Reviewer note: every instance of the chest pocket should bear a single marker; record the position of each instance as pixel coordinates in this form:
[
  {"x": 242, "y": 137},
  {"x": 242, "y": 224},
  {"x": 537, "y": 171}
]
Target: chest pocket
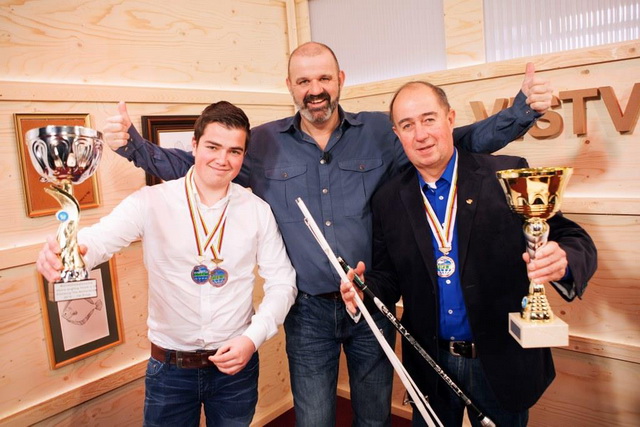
[
  {"x": 359, "y": 179},
  {"x": 283, "y": 185}
]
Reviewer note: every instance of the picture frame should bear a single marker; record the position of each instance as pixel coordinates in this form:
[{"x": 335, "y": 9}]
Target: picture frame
[
  {"x": 78, "y": 329},
  {"x": 168, "y": 132},
  {"x": 38, "y": 202}
]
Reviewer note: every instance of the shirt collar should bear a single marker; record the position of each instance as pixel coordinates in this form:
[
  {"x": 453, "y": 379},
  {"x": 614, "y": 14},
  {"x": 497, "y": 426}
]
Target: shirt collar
[
  {"x": 447, "y": 175},
  {"x": 292, "y": 123},
  {"x": 217, "y": 205}
]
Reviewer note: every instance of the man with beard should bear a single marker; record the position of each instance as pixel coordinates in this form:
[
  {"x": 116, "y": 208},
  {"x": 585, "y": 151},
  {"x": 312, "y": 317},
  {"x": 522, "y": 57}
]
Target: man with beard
[{"x": 334, "y": 160}]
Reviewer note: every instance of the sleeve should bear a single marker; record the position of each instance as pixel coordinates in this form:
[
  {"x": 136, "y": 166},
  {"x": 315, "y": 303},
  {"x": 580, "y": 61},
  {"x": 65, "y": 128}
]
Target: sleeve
[
  {"x": 382, "y": 276},
  {"x": 165, "y": 163},
  {"x": 581, "y": 255},
  {"x": 115, "y": 231},
  {"x": 279, "y": 283},
  {"x": 495, "y": 132}
]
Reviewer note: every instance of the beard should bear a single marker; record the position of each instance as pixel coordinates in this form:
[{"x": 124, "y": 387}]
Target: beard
[{"x": 318, "y": 115}]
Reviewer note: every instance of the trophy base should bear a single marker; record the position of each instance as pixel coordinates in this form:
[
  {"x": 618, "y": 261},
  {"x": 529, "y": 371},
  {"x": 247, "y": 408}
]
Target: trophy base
[
  {"x": 67, "y": 291},
  {"x": 537, "y": 335}
]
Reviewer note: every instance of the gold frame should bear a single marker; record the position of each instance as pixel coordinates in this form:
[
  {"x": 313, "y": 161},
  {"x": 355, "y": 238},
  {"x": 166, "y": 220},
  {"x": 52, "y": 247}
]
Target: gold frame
[
  {"x": 68, "y": 343},
  {"x": 39, "y": 203}
]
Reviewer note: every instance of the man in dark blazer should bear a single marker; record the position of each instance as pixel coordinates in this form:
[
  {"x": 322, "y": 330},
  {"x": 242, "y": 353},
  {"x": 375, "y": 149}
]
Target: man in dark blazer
[{"x": 458, "y": 287}]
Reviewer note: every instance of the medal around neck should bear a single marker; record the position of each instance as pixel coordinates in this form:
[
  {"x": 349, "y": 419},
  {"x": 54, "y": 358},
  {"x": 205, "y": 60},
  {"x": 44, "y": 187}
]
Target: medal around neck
[
  {"x": 218, "y": 277},
  {"x": 536, "y": 194},
  {"x": 66, "y": 156}
]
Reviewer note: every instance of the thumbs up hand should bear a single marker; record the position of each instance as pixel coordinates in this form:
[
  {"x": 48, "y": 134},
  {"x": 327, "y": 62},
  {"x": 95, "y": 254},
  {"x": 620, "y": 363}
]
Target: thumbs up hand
[
  {"x": 537, "y": 90},
  {"x": 115, "y": 131}
]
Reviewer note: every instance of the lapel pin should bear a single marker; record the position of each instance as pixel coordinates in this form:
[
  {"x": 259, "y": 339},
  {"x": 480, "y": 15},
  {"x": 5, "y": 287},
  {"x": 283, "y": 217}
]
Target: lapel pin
[{"x": 469, "y": 201}]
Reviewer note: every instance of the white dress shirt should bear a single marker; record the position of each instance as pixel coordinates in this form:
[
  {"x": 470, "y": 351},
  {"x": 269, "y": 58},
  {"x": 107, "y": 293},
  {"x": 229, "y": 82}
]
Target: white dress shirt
[{"x": 184, "y": 315}]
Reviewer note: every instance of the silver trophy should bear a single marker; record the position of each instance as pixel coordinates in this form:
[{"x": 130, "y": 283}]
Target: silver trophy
[{"x": 66, "y": 156}]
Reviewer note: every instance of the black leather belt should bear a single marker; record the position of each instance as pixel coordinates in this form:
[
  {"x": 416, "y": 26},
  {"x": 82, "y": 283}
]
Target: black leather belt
[
  {"x": 183, "y": 359},
  {"x": 459, "y": 348},
  {"x": 330, "y": 295}
]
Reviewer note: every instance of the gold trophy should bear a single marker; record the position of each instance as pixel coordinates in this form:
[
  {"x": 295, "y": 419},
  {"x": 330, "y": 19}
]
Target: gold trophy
[
  {"x": 66, "y": 156},
  {"x": 536, "y": 194}
]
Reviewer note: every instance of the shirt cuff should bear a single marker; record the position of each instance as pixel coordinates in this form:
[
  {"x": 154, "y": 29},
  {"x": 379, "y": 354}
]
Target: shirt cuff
[
  {"x": 355, "y": 317},
  {"x": 134, "y": 143},
  {"x": 256, "y": 333},
  {"x": 522, "y": 109}
]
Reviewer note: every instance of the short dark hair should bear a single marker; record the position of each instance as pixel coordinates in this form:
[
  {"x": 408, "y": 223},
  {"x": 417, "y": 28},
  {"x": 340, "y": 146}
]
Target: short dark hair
[
  {"x": 226, "y": 114},
  {"x": 437, "y": 90}
]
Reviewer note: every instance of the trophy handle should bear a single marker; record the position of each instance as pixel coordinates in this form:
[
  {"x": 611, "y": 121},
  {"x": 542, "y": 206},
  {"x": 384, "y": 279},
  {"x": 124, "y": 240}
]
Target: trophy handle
[{"x": 73, "y": 266}]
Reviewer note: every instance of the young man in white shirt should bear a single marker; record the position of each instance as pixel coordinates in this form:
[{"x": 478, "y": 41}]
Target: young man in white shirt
[{"x": 202, "y": 238}]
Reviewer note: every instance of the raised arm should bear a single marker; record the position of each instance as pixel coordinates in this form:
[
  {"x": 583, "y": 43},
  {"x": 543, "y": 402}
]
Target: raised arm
[
  {"x": 495, "y": 132},
  {"x": 165, "y": 163}
]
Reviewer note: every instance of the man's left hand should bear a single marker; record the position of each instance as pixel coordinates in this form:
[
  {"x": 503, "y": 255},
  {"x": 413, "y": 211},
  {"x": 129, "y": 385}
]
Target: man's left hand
[
  {"x": 234, "y": 355},
  {"x": 537, "y": 90},
  {"x": 550, "y": 263}
]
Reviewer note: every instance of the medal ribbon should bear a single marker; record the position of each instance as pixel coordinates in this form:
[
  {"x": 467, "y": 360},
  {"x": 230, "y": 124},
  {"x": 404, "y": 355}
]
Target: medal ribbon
[
  {"x": 444, "y": 234},
  {"x": 209, "y": 236}
]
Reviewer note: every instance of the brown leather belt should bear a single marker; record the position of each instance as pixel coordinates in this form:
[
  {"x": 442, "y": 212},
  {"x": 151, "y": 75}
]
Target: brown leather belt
[
  {"x": 183, "y": 359},
  {"x": 459, "y": 348}
]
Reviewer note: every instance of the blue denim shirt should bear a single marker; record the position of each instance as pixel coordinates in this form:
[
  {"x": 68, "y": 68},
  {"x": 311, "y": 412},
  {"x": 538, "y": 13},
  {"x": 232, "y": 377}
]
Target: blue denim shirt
[{"x": 283, "y": 163}]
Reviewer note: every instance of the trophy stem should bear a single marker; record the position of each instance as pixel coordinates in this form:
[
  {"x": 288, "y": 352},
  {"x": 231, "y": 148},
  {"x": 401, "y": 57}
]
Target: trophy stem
[
  {"x": 535, "y": 306},
  {"x": 73, "y": 266}
]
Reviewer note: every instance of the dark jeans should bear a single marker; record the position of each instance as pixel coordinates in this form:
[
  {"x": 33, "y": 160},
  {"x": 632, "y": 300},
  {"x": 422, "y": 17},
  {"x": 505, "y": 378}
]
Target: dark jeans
[
  {"x": 174, "y": 396},
  {"x": 316, "y": 329},
  {"x": 469, "y": 376}
]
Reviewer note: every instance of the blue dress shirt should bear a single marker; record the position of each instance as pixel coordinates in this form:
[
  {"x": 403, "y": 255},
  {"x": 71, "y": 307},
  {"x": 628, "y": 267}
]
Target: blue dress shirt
[{"x": 454, "y": 324}]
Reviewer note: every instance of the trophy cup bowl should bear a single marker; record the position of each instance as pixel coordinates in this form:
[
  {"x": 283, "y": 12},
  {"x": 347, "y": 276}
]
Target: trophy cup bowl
[
  {"x": 65, "y": 156},
  {"x": 536, "y": 195}
]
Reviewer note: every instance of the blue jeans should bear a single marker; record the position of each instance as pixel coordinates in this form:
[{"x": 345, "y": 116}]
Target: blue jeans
[
  {"x": 468, "y": 375},
  {"x": 315, "y": 329},
  {"x": 174, "y": 396}
]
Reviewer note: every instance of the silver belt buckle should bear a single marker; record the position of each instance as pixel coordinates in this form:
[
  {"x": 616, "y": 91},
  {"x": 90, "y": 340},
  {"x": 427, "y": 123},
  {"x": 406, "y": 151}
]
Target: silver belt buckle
[
  {"x": 455, "y": 353},
  {"x": 452, "y": 350},
  {"x": 179, "y": 359}
]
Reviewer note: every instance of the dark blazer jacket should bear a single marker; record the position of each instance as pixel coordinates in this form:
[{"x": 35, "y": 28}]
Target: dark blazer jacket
[{"x": 493, "y": 275}]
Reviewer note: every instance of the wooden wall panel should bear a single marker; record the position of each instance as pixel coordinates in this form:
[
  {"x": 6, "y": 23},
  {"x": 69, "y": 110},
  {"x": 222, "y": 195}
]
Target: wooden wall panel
[
  {"x": 609, "y": 311},
  {"x": 464, "y": 32},
  {"x": 227, "y": 44},
  {"x": 589, "y": 391}
]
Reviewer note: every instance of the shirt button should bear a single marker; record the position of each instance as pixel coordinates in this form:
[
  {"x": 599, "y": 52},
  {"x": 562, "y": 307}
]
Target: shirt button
[
  {"x": 323, "y": 161},
  {"x": 325, "y": 190},
  {"x": 452, "y": 338},
  {"x": 285, "y": 175},
  {"x": 441, "y": 198},
  {"x": 448, "y": 282},
  {"x": 450, "y": 311},
  {"x": 327, "y": 223}
]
